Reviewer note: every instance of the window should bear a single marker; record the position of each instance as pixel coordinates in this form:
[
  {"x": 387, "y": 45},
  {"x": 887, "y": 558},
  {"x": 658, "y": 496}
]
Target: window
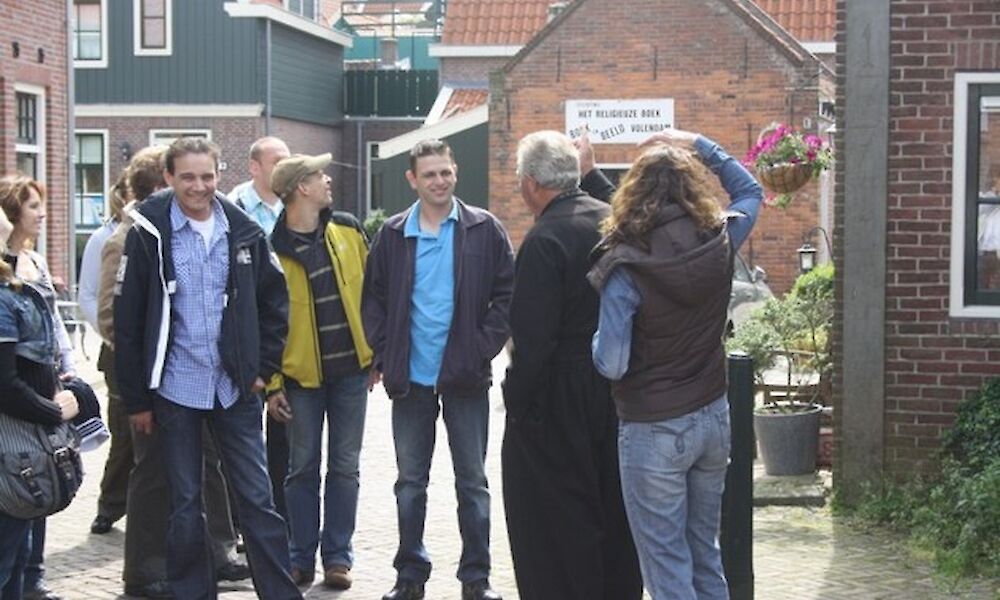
[
  {"x": 91, "y": 179},
  {"x": 975, "y": 251},
  {"x": 305, "y": 8},
  {"x": 152, "y": 21},
  {"x": 90, "y": 48},
  {"x": 165, "y": 137},
  {"x": 29, "y": 143}
]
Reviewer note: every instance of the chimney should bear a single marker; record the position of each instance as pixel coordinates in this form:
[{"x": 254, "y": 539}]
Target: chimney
[
  {"x": 555, "y": 9},
  {"x": 389, "y": 51}
]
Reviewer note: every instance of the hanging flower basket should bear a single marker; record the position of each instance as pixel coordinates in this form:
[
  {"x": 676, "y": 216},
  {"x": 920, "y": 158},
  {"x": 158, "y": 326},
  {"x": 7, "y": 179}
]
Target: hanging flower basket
[
  {"x": 785, "y": 160},
  {"x": 784, "y": 178}
]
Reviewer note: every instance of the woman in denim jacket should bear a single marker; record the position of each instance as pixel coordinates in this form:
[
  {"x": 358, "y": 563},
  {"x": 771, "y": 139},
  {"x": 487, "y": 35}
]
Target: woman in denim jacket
[{"x": 28, "y": 384}]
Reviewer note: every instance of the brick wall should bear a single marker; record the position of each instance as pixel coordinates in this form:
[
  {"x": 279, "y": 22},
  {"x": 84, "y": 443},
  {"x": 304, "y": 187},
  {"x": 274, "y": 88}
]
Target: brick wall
[
  {"x": 313, "y": 139},
  {"x": 932, "y": 361},
  {"x": 716, "y": 89},
  {"x": 469, "y": 72},
  {"x": 39, "y": 26},
  {"x": 233, "y": 135}
]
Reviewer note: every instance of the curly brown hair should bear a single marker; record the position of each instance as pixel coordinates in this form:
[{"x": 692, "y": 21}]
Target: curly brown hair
[{"x": 661, "y": 176}]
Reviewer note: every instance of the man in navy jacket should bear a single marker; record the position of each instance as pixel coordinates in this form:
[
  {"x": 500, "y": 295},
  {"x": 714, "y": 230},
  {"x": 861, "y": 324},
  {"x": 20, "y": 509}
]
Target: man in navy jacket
[
  {"x": 200, "y": 319},
  {"x": 437, "y": 289}
]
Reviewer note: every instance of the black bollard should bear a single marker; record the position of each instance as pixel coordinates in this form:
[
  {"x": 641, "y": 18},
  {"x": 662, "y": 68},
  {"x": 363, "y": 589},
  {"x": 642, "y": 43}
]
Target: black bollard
[{"x": 736, "y": 535}]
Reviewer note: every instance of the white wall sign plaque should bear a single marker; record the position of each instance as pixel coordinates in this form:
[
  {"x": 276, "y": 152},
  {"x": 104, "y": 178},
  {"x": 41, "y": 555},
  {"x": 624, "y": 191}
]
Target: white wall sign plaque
[{"x": 618, "y": 121}]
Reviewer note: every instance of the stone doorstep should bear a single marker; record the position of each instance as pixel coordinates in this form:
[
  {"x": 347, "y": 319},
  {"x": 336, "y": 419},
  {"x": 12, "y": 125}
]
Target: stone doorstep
[{"x": 792, "y": 490}]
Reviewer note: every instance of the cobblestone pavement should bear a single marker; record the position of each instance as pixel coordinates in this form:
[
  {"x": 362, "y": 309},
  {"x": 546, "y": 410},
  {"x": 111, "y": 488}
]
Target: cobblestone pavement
[{"x": 800, "y": 553}]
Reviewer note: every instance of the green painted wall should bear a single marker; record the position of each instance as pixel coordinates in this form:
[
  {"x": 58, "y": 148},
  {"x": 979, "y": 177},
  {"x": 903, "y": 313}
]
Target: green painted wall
[
  {"x": 308, "y": 76},
  {"x": 217, "y": 59},
  {"x": 392, "y": 193}
]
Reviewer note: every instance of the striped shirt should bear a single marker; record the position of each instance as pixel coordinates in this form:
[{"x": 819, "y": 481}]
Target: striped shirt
[{"x": 338, "y": 356}]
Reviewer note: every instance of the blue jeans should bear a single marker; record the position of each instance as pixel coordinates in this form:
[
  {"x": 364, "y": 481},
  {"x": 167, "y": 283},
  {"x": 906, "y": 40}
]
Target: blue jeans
[
  {"x": 673, "y": 474},
  {"x": 342, "y": 402},
  {"x": 15, "y": 544},
  {"x": 238, "y": 436},
  {"x": 466, "y": 419}
]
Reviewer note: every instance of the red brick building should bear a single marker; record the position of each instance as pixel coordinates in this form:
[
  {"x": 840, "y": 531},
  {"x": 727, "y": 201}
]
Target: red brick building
[
  {"x": 918, "y": 304},
  {"x": 34, "y": 137},
  {"x": 727, "y": 67}
]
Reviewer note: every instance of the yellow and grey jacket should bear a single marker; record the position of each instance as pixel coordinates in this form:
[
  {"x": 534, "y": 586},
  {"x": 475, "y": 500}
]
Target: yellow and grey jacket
[{"x": 348, "y": 247}]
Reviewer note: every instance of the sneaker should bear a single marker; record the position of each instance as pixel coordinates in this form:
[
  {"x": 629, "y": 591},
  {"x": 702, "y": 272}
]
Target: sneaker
[{"x": 338, "y": 577}]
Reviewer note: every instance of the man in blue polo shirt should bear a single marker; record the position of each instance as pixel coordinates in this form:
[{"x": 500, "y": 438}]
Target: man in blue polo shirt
[{"x": 437, "y": 290}]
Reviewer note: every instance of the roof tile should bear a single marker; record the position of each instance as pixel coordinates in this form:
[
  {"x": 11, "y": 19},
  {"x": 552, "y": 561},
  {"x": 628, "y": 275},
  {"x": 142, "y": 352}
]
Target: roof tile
[
  {"x": 806, "y": 20},
  {"x": 515, "y": 22},
  {"x": 494, "y": 22},
  {"x": 463, "y": 100}
]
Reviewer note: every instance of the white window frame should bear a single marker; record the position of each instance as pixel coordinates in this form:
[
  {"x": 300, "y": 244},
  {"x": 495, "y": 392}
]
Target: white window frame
[
  {"x": 103, "y": 62},
  {"x": 956, "y": 303},
  {"x": 106, "y": 134},
  {"x": 138, "y": 50},
  {"x": 38, "y": 148},
  {"x": 317, "y": 5},
  {"x": 176, "y": 133}
]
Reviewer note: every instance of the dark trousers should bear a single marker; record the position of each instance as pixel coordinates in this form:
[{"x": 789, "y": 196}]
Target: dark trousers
[
  {"x": 112, "y": 503},
  {"x": 238, "y": 435},
  {"x": 15, "y": 540},
  {"x": 569, "y": 536},
  {"x": 34, "y": 570},
  {"x": 277, "y": 463},
  {"x": 149, "y": 504}
]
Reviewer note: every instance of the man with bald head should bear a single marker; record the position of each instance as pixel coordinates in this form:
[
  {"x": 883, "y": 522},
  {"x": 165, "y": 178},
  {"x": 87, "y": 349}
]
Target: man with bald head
[{"x": 255, "y": 196}]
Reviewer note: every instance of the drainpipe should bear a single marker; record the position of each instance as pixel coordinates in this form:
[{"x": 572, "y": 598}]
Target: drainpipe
[
  {"x": 362, "y": 171},
  {"x": 70, "y": 145},
  {"x": 267, "y": 77}
]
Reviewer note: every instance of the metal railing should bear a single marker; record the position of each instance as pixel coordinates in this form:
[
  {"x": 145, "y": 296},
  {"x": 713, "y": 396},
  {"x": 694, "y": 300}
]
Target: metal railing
[{"x": 389, "y": 93}]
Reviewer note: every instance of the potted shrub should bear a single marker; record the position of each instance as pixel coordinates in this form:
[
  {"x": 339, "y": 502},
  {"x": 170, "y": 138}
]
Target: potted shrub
[
  {"x": 785, "y": 160},
  {"x": 790, "y": 333}
]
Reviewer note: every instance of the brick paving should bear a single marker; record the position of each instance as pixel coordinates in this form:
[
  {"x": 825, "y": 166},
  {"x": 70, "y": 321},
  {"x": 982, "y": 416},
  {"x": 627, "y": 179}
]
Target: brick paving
[{"x": 800, "y": 553}]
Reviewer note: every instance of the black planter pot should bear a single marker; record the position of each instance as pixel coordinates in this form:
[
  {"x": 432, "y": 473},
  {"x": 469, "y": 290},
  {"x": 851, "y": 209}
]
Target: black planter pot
[{"x": 788, "y": 440}]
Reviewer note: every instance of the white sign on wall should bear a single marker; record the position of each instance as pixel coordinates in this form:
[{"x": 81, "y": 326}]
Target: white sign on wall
[{"x": 619, "y": 121}]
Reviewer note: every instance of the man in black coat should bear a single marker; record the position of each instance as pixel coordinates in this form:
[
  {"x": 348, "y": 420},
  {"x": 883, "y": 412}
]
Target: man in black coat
[{"x": 568, "y": 533}]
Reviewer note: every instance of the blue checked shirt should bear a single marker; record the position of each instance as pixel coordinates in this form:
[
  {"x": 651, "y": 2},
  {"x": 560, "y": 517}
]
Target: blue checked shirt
[{"x": 193, "y": 375}]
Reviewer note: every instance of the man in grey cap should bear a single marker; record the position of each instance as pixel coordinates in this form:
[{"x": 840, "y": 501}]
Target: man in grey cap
[{"x": 325, "y": 367}]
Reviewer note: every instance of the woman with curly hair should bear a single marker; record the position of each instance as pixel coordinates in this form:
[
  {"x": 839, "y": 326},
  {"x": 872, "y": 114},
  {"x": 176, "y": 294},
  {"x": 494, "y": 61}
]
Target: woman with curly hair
[{"x": 665, "y": 277}]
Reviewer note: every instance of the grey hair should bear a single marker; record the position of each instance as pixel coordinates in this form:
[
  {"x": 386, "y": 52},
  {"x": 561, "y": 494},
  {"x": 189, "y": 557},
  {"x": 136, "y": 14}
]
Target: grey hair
[{"x": 550, "y": 158}]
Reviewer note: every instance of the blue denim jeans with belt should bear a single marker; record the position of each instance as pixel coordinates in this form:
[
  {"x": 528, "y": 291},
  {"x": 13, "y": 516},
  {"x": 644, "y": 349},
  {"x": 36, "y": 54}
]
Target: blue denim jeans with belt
[
  {"x": 414, "y": 420},
  {"x": 341, "y": 403},
  {"x": 673, "y": 474}
]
